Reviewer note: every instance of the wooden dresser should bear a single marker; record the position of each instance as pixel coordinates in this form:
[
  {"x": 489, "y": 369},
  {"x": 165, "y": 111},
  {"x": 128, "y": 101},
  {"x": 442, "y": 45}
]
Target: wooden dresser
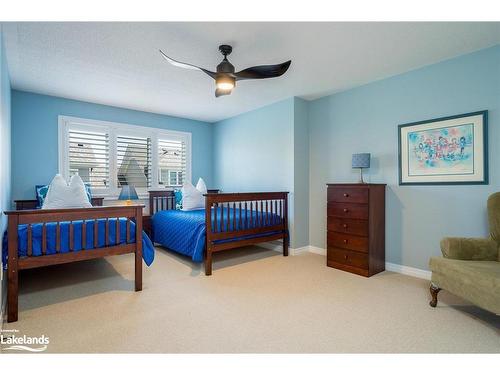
[{"x": 356, "y": 228}]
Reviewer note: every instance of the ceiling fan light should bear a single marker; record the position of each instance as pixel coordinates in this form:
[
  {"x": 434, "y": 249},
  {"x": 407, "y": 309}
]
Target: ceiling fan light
[
  {"x": 224, "y": 82},
  {"x": 225, "y": 86}
]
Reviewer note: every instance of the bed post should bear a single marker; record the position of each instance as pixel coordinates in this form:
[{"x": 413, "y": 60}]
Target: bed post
[
  {"x": 12, "y": 271},
  {"x": 138, "y": 249},
  {"x": 208, "y": 240},
  {"x": 285, "y": 226}
]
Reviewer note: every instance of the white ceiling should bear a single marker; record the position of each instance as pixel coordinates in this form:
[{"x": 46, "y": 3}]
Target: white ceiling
[{"x": 118, "y": 63}]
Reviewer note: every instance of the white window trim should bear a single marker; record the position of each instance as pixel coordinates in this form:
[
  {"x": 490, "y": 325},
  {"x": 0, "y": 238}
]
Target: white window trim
[
  {"x": 64, "y": 122},
  {"x": 169, "y": 171}
]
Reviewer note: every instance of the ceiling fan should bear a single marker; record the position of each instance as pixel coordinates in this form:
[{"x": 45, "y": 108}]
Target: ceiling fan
[{"x": 225, "y": 76}]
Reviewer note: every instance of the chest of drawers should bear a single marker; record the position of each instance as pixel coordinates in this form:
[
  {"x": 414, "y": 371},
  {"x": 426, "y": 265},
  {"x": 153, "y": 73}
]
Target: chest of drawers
[{"x": 356, "y": 228}]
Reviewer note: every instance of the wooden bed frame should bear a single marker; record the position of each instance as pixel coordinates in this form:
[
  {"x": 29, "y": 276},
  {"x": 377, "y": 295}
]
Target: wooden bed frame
[
  {"x": 268, "y": 205},
  {"x": 29, "y": 217}
]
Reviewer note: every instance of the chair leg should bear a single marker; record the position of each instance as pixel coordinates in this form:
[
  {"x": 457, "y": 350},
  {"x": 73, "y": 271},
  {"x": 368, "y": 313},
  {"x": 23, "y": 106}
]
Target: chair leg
[
  {"x": 434, "y": 289},
  {"x": 208, "y": 262}
]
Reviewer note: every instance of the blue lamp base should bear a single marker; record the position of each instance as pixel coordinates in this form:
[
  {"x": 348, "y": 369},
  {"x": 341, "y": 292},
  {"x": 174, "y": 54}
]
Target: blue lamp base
[{"x": 361, "y": 176}]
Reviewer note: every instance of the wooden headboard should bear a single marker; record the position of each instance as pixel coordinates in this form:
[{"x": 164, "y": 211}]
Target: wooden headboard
[{"x": 160, "y": 200}]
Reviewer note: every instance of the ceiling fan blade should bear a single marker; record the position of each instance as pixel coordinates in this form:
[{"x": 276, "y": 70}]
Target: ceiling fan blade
[
  {"x": 263, "y": 71},
  {"x": 219, "y": 92},
  {"x": 186, "y": 65}
]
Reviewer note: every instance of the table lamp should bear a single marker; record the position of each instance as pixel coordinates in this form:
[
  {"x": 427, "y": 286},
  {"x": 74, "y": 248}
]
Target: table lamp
[
  {"x": 128, "y": 194},
  {"x": 361, "y": 161}
]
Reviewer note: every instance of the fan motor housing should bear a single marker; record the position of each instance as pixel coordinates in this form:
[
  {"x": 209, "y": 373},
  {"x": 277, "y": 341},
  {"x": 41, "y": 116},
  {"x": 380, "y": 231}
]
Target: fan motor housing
[{"x": 225, "y": 67}]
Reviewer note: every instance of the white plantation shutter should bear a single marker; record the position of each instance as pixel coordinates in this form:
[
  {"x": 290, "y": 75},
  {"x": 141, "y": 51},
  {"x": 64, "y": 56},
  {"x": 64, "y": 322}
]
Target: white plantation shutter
[
  {"x": 109, "y": 155},
  {"x": 172, "y": 162},
  {"x": 133, "y": 161},
  {"x": 88, "y": 154}
]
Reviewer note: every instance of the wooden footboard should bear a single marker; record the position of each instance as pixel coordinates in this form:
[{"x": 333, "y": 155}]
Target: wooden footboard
[
  {"x": 57, "y": 216},
  {"x": 241, "y": 219}
]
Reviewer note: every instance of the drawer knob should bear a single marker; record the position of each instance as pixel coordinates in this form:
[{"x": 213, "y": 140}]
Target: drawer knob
[
  {"x": 345, "y": 257},
  {"x": 345, "y": 241},
  {"x": 346, "y": 210},
  {"x": 345, "y": 225},
  {"x": 346, "y": 195}
]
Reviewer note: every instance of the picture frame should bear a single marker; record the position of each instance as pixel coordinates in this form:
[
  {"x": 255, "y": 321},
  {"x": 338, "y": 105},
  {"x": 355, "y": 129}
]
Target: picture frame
[{"x": 449, "y": 150}]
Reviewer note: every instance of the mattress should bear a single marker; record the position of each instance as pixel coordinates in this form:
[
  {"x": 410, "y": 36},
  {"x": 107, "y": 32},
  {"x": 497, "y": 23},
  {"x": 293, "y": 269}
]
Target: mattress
[
  {"x": 185, "y": 231},
  {"x": 36, "y": 233}
]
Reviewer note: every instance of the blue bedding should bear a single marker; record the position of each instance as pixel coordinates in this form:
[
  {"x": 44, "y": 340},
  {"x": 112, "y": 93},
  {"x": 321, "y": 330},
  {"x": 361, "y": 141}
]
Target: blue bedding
[
  {"x": 185, "y": 231},
  {"x": 147, "y": 246}
]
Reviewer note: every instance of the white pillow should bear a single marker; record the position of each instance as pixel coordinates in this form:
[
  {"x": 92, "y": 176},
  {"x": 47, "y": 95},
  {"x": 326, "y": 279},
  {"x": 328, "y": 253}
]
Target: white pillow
[
  {"x": 201, "y": 186},
  {"x": 192, "y": 197},
  {"x": 62, "y": 195}
]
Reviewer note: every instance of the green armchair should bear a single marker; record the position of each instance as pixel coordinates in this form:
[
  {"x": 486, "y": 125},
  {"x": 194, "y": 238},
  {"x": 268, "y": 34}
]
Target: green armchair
[{"x": 470, "y": 267}]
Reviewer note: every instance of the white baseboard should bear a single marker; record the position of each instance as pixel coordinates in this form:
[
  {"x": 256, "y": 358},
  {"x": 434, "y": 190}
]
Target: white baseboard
[
  {"x": 299, "y": 250},
  {"x": 405, "y": 270},
  {"x": 393, "y": 267},
  {"x": 410, "y": 271},
  {"x": 273, "y": 245},
  {"x": 317, "y": 250},
  {"x": 278, "y": 246}
]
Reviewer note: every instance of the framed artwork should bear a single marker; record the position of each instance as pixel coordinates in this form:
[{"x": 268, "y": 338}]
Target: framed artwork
[{"x": 448, "y": 150}]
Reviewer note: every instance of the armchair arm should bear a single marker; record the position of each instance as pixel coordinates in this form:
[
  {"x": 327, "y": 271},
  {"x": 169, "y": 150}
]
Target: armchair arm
[{"x": 469, "y": 248}]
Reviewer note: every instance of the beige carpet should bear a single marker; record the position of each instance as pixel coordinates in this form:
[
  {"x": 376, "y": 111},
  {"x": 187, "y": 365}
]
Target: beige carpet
[{"x": 256, "y": 301}]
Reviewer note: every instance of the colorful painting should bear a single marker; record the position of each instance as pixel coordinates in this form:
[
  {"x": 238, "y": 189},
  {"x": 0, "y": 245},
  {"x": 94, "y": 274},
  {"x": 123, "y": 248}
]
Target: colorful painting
[
  {"x": 449, "y": 150},
  {"x": 442, "y": 151}
]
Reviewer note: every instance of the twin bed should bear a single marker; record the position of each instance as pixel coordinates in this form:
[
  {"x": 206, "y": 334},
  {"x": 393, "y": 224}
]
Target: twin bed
[
  {"x": 229, "y": 220},
  {"x": 37, "y": 238}
]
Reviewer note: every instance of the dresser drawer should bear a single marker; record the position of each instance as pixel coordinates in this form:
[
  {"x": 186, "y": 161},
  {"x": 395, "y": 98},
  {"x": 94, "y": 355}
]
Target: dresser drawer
[
  {"x": 352, "y": 226},
  {"x": 350, "y": 258},
  {"x": 348, "y": 210},
  {"x": 347, "y": 241},
  {"x": 348, "y": 194}
]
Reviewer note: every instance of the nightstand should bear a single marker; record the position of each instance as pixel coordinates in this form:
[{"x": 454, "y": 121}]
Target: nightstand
[
  {"x": 31, "y": 204},
  {"x": 146, "y": 225}
]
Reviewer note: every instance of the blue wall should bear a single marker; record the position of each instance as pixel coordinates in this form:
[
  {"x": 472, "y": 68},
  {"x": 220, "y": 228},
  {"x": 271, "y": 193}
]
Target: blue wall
[
  {"x": 5, "y": 133},
  {"x": 365, "y": 119},
  {"x": 35, "y": 127},
  {"x": 300, "y": 146},
  {"x": 268, "y": 150},
  {"x": 5, "y": 151},
  {"x": 254, "y": 152},
  {"x": 301, "y": 173}
]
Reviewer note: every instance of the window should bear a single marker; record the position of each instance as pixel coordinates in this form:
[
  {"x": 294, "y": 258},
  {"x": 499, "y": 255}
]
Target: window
[
  {"x": 134, "y": 161},
  {"x": 89, "y": 157},
  {"x": 109, "y": 155},
  {"x": 168, "y": 177},
  {"x": 171, "y": 162}
]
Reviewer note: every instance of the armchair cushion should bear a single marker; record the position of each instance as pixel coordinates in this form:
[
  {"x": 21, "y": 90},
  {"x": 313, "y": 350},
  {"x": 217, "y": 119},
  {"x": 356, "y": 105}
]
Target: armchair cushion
[
  {"x": 478, "y": 281},
  {"x": 469, "y": 248},
  {"x": 494, "y": 216}
]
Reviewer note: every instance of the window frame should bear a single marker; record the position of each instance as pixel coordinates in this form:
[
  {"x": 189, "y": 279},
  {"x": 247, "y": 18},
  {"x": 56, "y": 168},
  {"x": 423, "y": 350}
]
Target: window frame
[
  {"x": 169, "y": 171},
  {"x": 65, "y": 123}
]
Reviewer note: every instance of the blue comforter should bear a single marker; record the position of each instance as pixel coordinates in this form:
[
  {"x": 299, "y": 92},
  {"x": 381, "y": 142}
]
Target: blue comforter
[
  {"x": 185, "y": 231},
  {"x": 147, "y": 246}
]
